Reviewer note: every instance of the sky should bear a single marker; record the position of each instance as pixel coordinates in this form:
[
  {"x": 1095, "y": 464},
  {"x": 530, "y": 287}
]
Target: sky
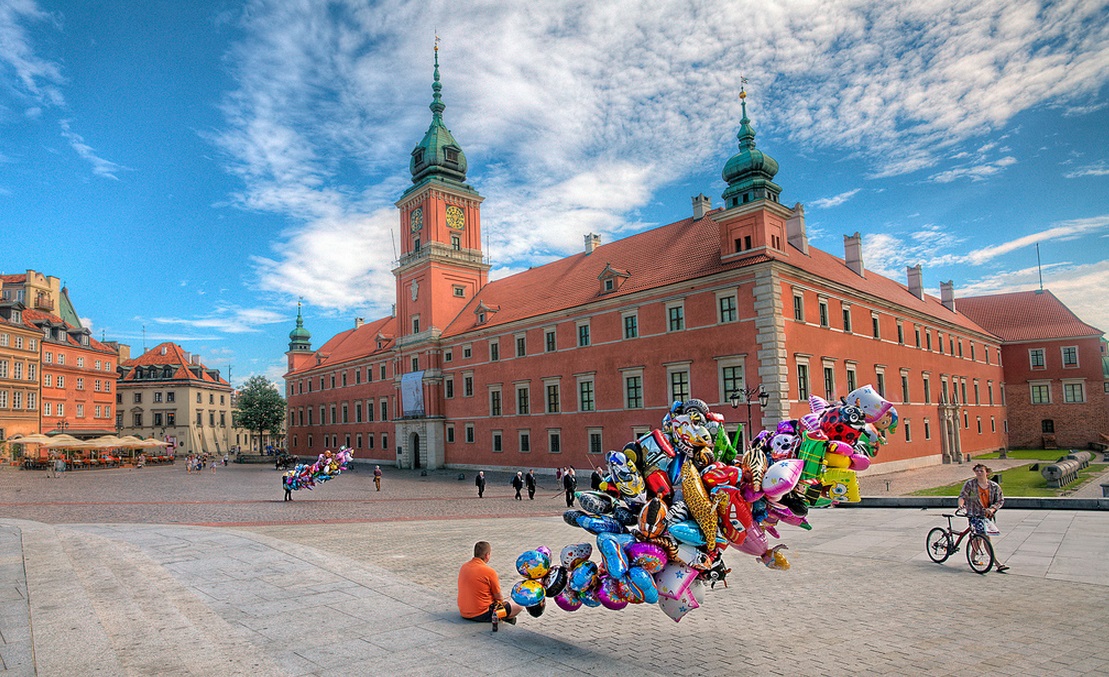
[{"x": 191, "y": 170}]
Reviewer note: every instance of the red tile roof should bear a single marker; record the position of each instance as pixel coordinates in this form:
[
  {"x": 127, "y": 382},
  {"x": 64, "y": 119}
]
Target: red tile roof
[
  {"x": 355, "y": 343},
  {"x": 31, "y": 316},
  {"x": 13, "y": 279},
  {"x": 678, "y": 252},
  {"x": 1025, "y": 316},
  {"x": 174, "y": 357}
]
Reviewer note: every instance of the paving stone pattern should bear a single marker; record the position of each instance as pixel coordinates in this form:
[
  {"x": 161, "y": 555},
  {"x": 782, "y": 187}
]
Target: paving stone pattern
[{"x": 159, "y": 572}]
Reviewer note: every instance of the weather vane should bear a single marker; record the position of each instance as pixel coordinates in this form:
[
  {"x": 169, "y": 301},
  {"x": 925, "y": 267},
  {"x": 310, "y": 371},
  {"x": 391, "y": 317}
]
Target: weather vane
[{"x": 742, "y": 87}]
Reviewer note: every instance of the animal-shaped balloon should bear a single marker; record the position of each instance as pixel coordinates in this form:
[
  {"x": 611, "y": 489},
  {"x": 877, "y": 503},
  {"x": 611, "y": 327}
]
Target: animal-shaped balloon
[{"x": 626, "y": 477}]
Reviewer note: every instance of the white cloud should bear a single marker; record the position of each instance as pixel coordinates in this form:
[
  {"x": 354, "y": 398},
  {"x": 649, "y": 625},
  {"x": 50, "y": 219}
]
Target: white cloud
[
  {"x": 1099, "y": 168},
  {"x": 1080, "y": 287},
  {"x": 835, "y": 200},
  {"x": 229, "y": 319},
  {"x": 1063, "y": 230},
  {"x": 569, "y": 108},
  {"x": 100, "y": 166},
  {"x": 36, "y": 79}
]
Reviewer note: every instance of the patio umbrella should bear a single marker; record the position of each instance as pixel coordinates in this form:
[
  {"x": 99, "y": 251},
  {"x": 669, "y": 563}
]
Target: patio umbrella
[
  {"x": 36, "y": 438},
  {"x": 63, "y": 441},
  {"x": 106, "y": 442}
]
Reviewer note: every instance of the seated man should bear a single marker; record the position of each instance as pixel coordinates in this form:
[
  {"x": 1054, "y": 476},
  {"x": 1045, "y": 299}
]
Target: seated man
[{"x": 479, "y": 589}]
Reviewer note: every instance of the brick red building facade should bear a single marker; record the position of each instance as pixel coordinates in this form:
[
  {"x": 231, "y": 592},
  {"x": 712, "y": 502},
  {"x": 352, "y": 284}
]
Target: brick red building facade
[
  {"x": 553, "y": 366},
  {"x": 1057, "y": 388}
]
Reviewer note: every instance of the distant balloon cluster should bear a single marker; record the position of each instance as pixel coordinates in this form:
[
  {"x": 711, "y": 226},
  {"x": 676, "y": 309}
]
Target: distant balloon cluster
[
  {"x": 328, "y": 465},
  {"x": 673, "y": 500}
]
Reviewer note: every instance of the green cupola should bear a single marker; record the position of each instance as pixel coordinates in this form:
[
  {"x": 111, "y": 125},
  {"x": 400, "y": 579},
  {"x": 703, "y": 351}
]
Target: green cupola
[
  {"x": 300, "y": 338},
  {"x": 750, "y": 172},
  {"x": 438, "y": 154}
]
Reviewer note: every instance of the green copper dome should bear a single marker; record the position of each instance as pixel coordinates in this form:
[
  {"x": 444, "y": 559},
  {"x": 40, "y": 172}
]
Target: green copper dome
[
  {"x": 750, "y": 172},
  {"x": 438, "y": 154},
  {"x": 300, "y": 338}
]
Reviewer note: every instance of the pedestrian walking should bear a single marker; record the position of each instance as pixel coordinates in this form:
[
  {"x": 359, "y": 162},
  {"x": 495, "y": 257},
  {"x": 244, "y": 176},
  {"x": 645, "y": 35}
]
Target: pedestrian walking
[
  {"x": 558, "y": 474},
  {"x": 479, "y": 482},
  {"x": 377, "y": 477},
  {"x": 596, "y": 478},
  {"x": 530, "y": 482},
  {"x": 569, "y": 484},
  {"x": 288, "y": 486},
  {"x": 518, "y": 484}
]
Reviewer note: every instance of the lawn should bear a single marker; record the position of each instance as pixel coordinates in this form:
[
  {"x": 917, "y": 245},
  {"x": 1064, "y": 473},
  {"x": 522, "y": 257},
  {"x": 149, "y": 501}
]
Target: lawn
[
  {"x": 1050, "y": 455},
  {"x": 1022, "y": 481}
]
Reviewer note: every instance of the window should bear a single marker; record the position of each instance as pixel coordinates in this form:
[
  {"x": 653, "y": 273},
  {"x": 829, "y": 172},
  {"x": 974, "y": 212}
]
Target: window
[
  {"x": 916, "y": 336},
  {"x": 467, "y": 385},
  {"x": 977, "y": 396},
  {"x": 523, "y": 405},
  {"x": 17, "y": 402},
  {"x": 46, "y": 408},
  {"x": 596, "y": 442},
  {"x": 450, "y": 433},
  {"x": 908, "y": 431},
  {"x": 585, "y": 395},
  {"x": 448, "y": 387},
  {"x": 370, "y": 441},
  {"x": 467, "y": 352},
  {"x": 829, "y": 382},
  {"x": 138, "y": 396},
  {"x": 927, "y": 389},
  {"x": 495, "y": 401},
  {"x": 525, "y": 442},
  {"x": 962, "y": 390},
  {"x": 1070, "y": 357},
  {"x": 169, "y": 396},
  {"x": 675, "y": 317},
  {"x": 80, "y": 360},
  {"x": 448, "y": 356},
  {"x": 554, "y": 441},
  {"x": 989, "y": 391},
  {"x": 381, "y": 372},
  {"x": 456, "y": 242},
  {"x": 802, "y": 382},
  {"x": 731, "y": 379},
  {"x": 31, "y": 372},
  {"x": 157, "y": 397},
  {"x": 960, "y": 347},
  {"x": 346, "y": 410},
  {"x": 5, "y": 339},
  {"x": 47, "y": 379},
  {"x": 852, "y": 379},
  {"x": 679, "y": 385},
  {"x": 1047, "y": 426},
  {"x": 798, "y": 307},
  {"x": 583, "y": 335},
  {"x": 521, "y": 345},
  {"x": 939, "y": 342},
  {"x": 1074, "y": 393},
  {"x": 553, "y": 406},
  {"x": 549, "y": 340},
  {"x": 157, "y": 417},
  {"x": 633, "y": 392},
  {"x": 469, "y": 432},
  {"x": 727, "y": 307},
  {"x": 497, "y": 445},
  {"x": 823, "y": 305},
  {"x": 369, "y": 414},
  {"x": 384, "y": 440},
  {"x": 631, "y": 326},
  {"x": 927, "y": 340},
  {"x": 137, "y": 419},
  {"x": 198, "y": 394},
  {"x": 979, "y": 420},
  {"x": 17, "y": 373},
  {"x": 905, "y": 388},
  {"x": 358, "y": 410},
  {"x": 928, "y": 429},
  {"x": 494, "y": 350},
  {"x": 901, "y": 337},
  {"x": 1041, "y": 393},
  {"x": 3, "y": 369},
  {"x": 384, "y": 417},
  {"x": 876, "y": 329},
  {"x": 61, "y": 381},
  {"x": 847, "y": 319}
]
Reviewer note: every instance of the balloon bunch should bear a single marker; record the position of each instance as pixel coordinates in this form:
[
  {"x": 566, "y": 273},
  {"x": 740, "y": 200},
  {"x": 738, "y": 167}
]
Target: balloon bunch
[
  {"x": 328, "y": 465},
  {"x": 673, "y": 500}
]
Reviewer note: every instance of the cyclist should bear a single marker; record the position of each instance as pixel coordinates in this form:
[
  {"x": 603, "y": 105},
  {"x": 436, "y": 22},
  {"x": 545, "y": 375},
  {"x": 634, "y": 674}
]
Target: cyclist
[{"x": 981, "y": 497}]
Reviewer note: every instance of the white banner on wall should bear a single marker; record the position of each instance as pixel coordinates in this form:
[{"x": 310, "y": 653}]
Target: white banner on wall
[{"x": 412, "y": 393}]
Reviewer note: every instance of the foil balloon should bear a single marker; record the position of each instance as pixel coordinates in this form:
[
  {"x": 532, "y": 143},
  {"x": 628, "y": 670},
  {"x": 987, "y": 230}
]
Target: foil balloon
[
  {"x": 647, "y": 556},
  {"x": 567, "y": 600},
  {"x": 616, "y": 562},
  {"x": 599, "y": 524},
  {"x": 595, "y": 502},
  {"x": 589, "y": 598},
  {"x": 534, "y": 563},
  {"x": 555, "y": 581},
  {"x": 734, "y": 513},
  {"x": 697, "y": 499},
  {"x": 573, "y": 555},
  {"x": 610, "y": 595},
  {"x": 626, "y": 477},
  {"x": 642, "y": 585},
  {"x": 719, "y": 474},
  {"x": 583, "y": 577},
  {"x": 652, "y": 518},
  {"x": 536, "y": 610},
  {"x": 687, "y": 532},
  {"x": 527, "y": 592},
  {"x": 781, "y": 477}
]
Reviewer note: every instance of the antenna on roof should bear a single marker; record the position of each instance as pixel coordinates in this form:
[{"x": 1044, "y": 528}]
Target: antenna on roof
[
  {"x": 1039, "y": 269},
  {"x": 144, "y": 338},
  {"x": 393, "y": 240}
]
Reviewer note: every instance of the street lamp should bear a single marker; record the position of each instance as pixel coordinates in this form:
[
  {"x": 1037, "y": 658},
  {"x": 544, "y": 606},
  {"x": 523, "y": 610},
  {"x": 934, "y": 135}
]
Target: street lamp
[{"x": 749, "y": 396}]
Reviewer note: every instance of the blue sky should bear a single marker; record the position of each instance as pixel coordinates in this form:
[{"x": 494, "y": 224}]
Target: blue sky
[{"x": 193, "y": 168}]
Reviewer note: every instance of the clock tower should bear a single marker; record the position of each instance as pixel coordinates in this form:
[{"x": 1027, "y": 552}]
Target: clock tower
[{"x": 441, "y": 268}]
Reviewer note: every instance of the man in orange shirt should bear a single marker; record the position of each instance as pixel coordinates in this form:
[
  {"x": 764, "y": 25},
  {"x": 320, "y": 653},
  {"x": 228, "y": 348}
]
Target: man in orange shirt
[{"x": 479, "y": 589}]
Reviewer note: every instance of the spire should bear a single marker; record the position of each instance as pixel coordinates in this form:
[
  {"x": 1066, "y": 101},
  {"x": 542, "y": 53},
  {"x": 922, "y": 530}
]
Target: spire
[
  {"x": 438, "y": 155},
  {"x": 750, "y": 172},
  {"x": 300, "y": 338}
]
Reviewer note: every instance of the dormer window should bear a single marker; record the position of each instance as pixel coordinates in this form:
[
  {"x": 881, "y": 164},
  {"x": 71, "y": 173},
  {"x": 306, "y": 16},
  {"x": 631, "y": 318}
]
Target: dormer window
[
  {"x": 481, "y": 318},
  {"x": 418, "y": 156},
  {"x": 610, "y": 284},
  {"x": 612, "y": 278},
  {"x": 451, "y": 155}
]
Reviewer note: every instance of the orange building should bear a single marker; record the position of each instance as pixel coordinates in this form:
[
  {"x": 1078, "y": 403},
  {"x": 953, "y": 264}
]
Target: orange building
[
  {"x": 20, "y": 368},
  {"x": 553, "y": 366},
  {"x": 1056, "y": 369}
]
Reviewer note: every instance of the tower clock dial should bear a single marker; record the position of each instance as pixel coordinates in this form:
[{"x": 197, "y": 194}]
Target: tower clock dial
[
  {"x": 456, "y": 218},
  {"x": 416, "y": 219}
]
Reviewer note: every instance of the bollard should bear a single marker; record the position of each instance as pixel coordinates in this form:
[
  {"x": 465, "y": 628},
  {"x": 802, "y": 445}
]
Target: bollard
[
  {"x": 887, "y": 485},
  {"x": 1105, "y": 490}
]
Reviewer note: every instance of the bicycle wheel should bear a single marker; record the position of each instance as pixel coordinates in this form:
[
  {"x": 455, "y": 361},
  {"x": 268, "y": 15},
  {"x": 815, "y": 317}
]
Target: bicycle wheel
[
  {"x": 979, "y": 553},
  {"x": 938, "y": 545}
]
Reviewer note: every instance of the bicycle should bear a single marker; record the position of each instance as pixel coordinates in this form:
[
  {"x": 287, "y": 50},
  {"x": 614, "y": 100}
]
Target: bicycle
[{"x": 943, "y": 543}]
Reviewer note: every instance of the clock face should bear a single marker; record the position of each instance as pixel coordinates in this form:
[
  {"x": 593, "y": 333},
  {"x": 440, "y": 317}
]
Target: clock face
[
  {"x": 456, "y": 218},
  {"x": 416, "y": 220}
]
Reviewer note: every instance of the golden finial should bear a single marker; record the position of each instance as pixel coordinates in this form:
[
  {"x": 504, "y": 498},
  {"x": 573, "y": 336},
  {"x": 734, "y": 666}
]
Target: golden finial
[{"x": 742, "y": 88}]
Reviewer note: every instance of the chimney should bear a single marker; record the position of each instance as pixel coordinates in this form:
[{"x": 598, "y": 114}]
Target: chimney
[
  {"x": 947, "y": 294},
  {"x": 188, "y": 357},
  {"x": 795, "y": 230},
  {"x": 195, "y": 360},
  {"x": 358, "y": 322},
  {"x": 916, "y": 281},
  {"x": 853, "y": 253},
  {"x": 592, "y": 241},
  {"x": 701, "y": 206}
]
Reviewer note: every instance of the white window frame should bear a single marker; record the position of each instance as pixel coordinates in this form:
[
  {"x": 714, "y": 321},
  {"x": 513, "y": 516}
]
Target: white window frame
[{"x": 1072, "y": 382}]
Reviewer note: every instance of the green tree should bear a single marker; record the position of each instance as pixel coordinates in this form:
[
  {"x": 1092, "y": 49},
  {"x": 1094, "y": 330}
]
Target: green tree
[{"x": 260, "y": 407}]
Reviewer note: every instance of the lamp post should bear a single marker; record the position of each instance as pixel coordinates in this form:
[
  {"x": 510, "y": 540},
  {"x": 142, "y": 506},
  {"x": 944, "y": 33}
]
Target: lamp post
[{"x": 749, "y": 396}]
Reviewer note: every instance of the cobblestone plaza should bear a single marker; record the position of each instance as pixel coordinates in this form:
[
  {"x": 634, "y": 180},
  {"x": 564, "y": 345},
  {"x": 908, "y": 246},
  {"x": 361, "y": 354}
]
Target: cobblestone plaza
[{"x": 157, "y": 571}]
